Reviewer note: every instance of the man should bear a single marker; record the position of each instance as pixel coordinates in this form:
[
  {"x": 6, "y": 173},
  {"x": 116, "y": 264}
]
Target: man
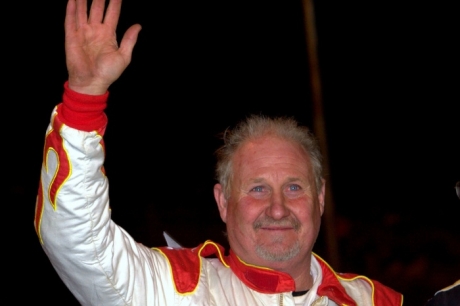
[
  {"x": 270, "y": 195},
  {"x": 449, "y": 296}
]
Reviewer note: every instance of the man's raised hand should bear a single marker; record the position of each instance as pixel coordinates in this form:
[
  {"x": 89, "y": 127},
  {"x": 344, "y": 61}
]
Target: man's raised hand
[{"x": 94, "y": 59}]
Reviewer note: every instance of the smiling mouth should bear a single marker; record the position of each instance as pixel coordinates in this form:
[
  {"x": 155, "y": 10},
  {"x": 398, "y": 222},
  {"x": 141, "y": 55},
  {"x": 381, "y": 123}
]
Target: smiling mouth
[
  {"x": 270, "y": 224},
  {"x": 277, "y": 228}
]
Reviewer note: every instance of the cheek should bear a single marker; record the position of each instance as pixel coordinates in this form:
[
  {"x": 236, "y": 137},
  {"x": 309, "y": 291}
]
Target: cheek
[
  {"x": 306, "y": 210},
  {"x": 244, "y": 212}
]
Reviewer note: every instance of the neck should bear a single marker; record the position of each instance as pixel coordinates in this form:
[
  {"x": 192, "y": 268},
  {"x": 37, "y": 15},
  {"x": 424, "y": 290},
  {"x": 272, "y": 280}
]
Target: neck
[
  {"x": 303, "y": 282},
  {"x": 299, "y": 271}
]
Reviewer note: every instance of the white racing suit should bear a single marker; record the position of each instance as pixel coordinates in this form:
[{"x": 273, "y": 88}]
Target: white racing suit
[{"x": 101, "y": 264}]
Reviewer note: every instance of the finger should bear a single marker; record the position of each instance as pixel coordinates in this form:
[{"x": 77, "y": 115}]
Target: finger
[
  {"x": 81, "y": 12},
  {"x": 96, "y": 12},
  {"x": 128, "y": 41},
  {"x": 113, "y": 13},
  {"x": 69, "y": 23}
]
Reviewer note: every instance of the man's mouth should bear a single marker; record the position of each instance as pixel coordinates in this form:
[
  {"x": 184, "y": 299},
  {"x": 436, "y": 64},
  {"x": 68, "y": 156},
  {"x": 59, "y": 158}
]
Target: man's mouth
[
  {"x": 277, "y": 225},
  {"x": 277, "y": 228}
]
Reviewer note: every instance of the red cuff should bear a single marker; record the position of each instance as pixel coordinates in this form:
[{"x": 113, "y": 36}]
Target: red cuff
[{"x": 83, "y": 112}]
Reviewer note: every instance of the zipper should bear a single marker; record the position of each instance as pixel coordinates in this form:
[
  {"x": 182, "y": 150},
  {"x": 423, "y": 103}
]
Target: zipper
[{"x": 281, "y": 299}]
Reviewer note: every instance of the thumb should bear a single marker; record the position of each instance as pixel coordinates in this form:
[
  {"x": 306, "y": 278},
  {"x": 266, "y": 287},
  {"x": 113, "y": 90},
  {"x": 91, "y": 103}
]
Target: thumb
[{"x": 129, "y": 41}]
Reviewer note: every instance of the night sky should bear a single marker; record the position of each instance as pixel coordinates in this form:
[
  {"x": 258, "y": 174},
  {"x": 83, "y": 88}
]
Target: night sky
[{"x": 389, "y": 77}]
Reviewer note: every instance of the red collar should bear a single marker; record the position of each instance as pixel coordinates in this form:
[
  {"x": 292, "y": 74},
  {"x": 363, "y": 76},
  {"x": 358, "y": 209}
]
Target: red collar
[
  {"x": 331, "y": 287},
  {"x": 260, "y": 279},
  {"x": 266, "y": 280}
]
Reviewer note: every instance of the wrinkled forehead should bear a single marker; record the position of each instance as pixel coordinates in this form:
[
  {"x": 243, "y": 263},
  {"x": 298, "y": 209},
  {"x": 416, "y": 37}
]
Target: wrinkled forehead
[
  {"x": 272, "y": 144},
  {"x": 271, "y": 151}
]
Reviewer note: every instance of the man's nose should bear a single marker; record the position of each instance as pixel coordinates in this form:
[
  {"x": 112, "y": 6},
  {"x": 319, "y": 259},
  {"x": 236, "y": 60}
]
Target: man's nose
[{"x": 278, "y": 206}]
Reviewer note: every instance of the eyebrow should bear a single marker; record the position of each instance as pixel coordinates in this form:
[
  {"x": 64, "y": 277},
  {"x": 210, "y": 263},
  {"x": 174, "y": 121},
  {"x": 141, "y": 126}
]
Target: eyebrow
[
  {"x": 296, "y": 179},
  {"x": 257, "y": 180},
  {"x": 289, "y": 180}
]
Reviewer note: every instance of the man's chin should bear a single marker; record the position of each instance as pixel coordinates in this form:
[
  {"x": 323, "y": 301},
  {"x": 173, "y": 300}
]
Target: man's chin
[{"x": 278, "y": 252}]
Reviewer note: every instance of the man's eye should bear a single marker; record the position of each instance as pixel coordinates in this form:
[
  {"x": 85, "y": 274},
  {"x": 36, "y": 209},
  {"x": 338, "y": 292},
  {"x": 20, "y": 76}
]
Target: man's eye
[
  {"x": 294, "y": 187},
  {"x": 258, "y": 189}
]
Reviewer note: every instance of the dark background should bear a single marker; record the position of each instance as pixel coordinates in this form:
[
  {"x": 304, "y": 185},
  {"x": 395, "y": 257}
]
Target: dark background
[{"x": 389, "y": 76}]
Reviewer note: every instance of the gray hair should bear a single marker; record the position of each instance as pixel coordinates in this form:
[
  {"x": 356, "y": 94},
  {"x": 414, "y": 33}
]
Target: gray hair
[{"x": 257, "y": 126}]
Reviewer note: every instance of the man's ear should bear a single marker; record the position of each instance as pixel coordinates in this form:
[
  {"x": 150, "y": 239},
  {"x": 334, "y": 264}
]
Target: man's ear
[
  {"x": 322, "y": 197},
  {"x": 221, "y": 201}
]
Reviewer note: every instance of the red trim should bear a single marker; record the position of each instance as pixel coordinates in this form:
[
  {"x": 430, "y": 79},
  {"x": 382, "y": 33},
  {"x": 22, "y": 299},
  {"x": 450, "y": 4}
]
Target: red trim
[
  {"x": 39, "y": 206},
  {"x": 54, "y": 142},
  {"x": 186, "y": 265},
  {"x": 331, "y": 287},
  {"x": 384, "y": 296},
  {"x": 260, "y": 279},
  {"x": 185, "y": 268},
  {"x": 83, "y": 112}
]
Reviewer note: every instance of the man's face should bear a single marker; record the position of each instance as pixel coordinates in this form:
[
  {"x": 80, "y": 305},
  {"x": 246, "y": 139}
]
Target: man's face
[{"x": 273, "y": 212}]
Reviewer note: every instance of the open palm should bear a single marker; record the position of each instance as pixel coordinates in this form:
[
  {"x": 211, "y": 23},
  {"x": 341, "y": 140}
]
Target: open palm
[{"x": 94, "y": 59}]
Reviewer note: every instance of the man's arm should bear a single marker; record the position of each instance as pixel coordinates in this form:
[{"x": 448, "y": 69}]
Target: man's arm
[{"x": 99, "y": 262}]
